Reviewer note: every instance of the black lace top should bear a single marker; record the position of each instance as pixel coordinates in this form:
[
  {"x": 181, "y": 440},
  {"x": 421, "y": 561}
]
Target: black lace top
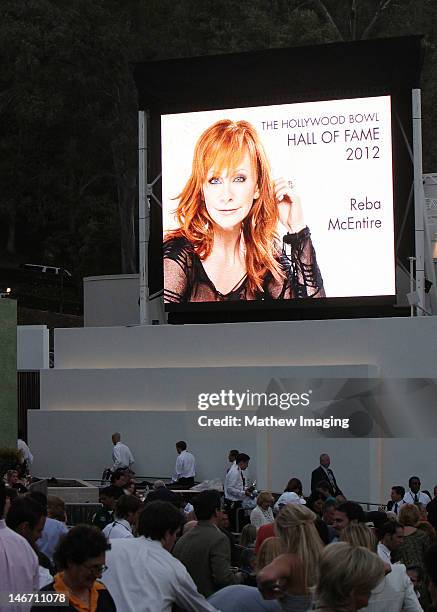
[{"x": 185, "y": 279}]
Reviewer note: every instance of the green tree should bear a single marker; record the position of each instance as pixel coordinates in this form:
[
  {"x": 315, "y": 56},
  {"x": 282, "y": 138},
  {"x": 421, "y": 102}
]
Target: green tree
[{"x": 68, "y": 104}]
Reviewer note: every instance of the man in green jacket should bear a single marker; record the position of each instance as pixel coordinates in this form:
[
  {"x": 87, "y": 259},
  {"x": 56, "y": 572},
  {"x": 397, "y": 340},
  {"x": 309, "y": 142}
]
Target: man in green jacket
[
  {"x": 205, "y": 550},
  {"x": 105, "y": 515}
]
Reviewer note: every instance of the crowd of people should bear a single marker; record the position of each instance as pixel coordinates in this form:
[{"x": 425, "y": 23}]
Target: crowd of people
[{"x": 295, "y": 553}]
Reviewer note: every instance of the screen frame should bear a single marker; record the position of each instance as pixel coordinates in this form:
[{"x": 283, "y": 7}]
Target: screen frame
[{"x": 322, "y": 62}]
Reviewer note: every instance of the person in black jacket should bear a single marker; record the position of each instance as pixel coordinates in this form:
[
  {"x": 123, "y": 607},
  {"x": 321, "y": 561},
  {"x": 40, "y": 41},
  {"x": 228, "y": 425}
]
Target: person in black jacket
[
  {"x": 431, "y": 568},
  {"x": 397, "y": 499},
  {"x": 432, "y": 510},
  {"x": 80, "y": 556},
  {"x": 324, "y": 473}
]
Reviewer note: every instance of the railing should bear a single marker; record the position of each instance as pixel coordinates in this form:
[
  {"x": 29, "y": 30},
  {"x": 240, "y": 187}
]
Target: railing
[
  {"x": 136, "y": 477},
  {"x": 150, "y": 479},
  {"x": 368, "y": 506},
  {"x": 81, "y": 513}
]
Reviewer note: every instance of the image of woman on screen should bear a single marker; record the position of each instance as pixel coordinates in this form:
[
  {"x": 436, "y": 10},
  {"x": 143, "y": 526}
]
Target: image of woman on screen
[{"x": 241, "y": 235}]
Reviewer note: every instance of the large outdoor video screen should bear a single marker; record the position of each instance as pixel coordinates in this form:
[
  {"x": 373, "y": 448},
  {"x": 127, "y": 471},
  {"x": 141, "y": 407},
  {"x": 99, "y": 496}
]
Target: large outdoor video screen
[{"x": 280, "y": 202}]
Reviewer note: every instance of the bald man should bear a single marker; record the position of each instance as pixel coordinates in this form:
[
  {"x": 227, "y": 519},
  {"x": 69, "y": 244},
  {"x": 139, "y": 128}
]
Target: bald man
[
  {"x": 121, "y": 454},
  {"x": 324, "y": 473}
]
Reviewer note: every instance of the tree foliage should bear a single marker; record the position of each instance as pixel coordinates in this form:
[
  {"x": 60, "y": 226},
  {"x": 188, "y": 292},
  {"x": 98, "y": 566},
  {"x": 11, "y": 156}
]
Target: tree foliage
[
  {"x": 68, "y": 108},
  {"x": 63, "y": 65}
]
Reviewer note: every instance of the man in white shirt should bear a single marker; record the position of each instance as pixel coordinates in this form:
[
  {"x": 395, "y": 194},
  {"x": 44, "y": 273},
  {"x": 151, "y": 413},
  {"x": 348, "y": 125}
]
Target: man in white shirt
[
  {"x": 143, "y": 576},
  {"x": 391, "y": 536},
  {"x": 25, "y": 451},
  {"x": 232, "y": 458},
  {"x": 52, "y": 531},
  {"x": 394, "y": 593},
  {"x": 185, "y": 468},
  {"x": 19, "y": 563},
  {"x": 27, "y": 518},
  {"x": 121, "y": 455},
  {"x": 126, "y": 514},
  {"x": 235, "y": 488},
  {"x": 415, "y": 495},
  {"x": 51, "y": 534}
]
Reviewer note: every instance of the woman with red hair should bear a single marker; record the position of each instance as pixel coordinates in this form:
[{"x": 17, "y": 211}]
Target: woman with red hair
[{"x": 227, "y": 246}]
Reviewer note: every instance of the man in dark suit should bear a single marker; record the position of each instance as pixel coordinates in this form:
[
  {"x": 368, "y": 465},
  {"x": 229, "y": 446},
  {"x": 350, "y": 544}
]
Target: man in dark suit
[
  {"x": 432, "y": 510},
  {"x": 324, "y": 473},
  {"x": 431, "y": 568},
  {"x": 396, "y": 501}
]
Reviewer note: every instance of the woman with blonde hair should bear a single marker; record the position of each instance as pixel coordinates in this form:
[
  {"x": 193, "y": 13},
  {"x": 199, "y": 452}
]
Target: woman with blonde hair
[
  {"x": 424, "y": 524},
  {"x": 415, "y": 542},
  {"x": 248, "y": 536},
  {"x": 295, "y": 526},
  {"x": 414, "y": 545},
  {"x": 269, "y": 550},
  {"x": 230, "y": 211},
  {"x": 13, "y": 482},
  {"x": 359, "y": 534},
  {"x": 347, "y": 575},
  {"x": 262, "y": 514},
  {"x": 291, "y": 575}
]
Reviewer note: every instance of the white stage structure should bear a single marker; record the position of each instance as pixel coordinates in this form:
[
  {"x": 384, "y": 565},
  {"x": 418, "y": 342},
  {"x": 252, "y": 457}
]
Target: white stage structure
[{"x": 138, "y": 380}]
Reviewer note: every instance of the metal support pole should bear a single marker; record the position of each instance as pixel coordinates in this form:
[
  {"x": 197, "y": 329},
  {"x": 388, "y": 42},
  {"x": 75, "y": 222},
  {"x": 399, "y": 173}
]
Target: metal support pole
[
  {"x": 143, "y": 218},
  {"x": 419, "y": 197},
  {"x": 429, "y": 261},
  {"x": 430, "y": 271},
  {"x": 412, "y": 260}
]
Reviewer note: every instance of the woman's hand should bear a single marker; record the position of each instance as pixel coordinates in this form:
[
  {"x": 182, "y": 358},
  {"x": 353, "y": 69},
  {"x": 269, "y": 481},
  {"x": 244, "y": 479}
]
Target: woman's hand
[{"x": 289, "y": 207}]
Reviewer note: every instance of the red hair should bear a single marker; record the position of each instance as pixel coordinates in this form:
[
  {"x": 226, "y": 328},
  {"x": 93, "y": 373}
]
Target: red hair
[{"x": 221, "y": 146}]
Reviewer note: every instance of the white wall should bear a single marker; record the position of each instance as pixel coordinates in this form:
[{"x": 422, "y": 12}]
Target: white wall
[
  {"x": 80, "y": 443},
  {"x": 113, "y": 300},
  {"x": 138, "y": 380},
  {"x": 72, "y": 443},
  {"x": 170, "y": 388},
  {"x": 398, "y": 346},
  {"x": 32, "y": 347}
]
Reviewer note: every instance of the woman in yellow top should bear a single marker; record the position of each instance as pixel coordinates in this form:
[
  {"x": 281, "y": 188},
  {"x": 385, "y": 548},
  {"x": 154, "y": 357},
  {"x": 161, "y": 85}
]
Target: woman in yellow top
[{"x": 80, "y": 556}]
